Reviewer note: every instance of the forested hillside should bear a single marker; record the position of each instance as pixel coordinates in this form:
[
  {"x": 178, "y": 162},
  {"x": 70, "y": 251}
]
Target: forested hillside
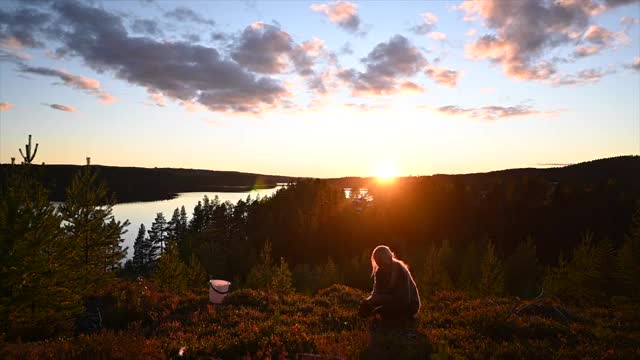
[
  {"x": 145, "y": 184},
  {"x": 476, "y": 245}
]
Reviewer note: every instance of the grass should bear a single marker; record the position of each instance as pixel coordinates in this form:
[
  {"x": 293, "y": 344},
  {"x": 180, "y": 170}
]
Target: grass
[{"x": 141, "y": 322}]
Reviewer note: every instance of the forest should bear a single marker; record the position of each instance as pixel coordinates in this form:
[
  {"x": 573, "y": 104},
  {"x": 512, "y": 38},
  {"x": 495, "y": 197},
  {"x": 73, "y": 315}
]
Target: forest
[
  {"x": 518, "y": 263},
  {"x": 146, "y": 184}
]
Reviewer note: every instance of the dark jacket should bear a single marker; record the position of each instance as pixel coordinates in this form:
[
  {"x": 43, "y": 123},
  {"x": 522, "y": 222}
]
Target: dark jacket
[{"x": 395, "y": 288}]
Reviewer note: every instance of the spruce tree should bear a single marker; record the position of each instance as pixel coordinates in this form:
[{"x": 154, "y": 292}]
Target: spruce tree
[
  {"x": 139, "y": 258},
  {"x": 183, "y": 223},
  {"x": 158, "y": 235},
  {"x": 92, "y": 231},
  {"x": 173, "y": 225}
]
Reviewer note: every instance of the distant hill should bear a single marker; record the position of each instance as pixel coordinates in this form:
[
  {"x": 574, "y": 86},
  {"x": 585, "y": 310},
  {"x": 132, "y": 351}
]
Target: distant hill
[
  {"x": 625, "y": 169},
  {"x": 146, "y": 184}
]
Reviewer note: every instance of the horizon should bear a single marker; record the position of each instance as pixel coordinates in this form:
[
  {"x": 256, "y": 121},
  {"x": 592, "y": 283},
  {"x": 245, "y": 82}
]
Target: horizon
[
  {"x": 321, "y": 89},
  {"x": 538, "y": 166}
]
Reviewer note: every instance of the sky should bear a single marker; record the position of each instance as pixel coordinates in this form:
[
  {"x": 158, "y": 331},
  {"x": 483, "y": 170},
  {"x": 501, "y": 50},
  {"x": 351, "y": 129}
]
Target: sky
[{"x": 321, "y": 89}]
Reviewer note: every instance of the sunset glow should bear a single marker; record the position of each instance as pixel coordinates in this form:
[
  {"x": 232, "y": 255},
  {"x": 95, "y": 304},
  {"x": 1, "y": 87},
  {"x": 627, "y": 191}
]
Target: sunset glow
[
  {"x": 385, "y": 171},
  {"x": 319, "y": 88}
]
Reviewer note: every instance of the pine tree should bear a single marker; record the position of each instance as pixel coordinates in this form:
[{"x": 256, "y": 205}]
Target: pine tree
[
  {"x": 492, "y": 273},
  {"x": 158, "y": 235},
  {"x": 36, "y": 292},
  {"x": 139, "y": 259},
  {"x": 92, "y": 231},
  {"x": 173, "y": 226}
]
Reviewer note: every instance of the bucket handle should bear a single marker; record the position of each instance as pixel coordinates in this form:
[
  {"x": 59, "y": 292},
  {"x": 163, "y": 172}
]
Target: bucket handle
[{"x": 218, "y": 291}]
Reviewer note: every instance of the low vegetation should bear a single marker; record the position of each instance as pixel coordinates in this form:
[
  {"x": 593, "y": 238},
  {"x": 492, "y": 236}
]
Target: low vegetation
[{"x": 139, "y": 321}]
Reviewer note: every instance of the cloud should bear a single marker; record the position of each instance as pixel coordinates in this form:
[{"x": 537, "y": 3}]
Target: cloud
[
  {"x": 527, "y": 30},
  {"x": 598, "y": 35},
  {"x": 346, "y": 49},
  {"x": 580, "y": 78},
  {"x": 436, "y": 35},
  {"x": 629, "y": 21},
  {"x": 61, "y": 107},
  {"x": 192, "y": 38},
  {"x": 613, "y": 3},
  {"x": 599, "y": 38},
  {"x": 266, "y": 49},
  {"x": 386, "y": 66},
  {"x": 442, "y": 76},
  {"x": 305, "y": 55},
  {"x": 177, "y": 70},
  {"x": 409, "y": 87},
  {"x": 4, "y": 106},
  {"x": 263, "y": 48},
  {"x": 492, "y": 113},
  {"x": 157, "y": 99},
  {"x": 183, "y": 14},
  {"x": 147, "y": 27},
  {"x": 11, "y": 49},
  {"x": 429, "y": 21},
  {"x": 635, "y": 65},
  {"x": 342, "y": 13},
  {"x": 471, "y": 32},
  {"x": 90, "y": 85},
  {"x": 22, "y": 25},
  {"x": 588, "y": 50}
]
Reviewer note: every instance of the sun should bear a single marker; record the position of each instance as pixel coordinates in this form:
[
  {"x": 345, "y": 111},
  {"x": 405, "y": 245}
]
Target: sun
[{"x": 385, "y": 171}]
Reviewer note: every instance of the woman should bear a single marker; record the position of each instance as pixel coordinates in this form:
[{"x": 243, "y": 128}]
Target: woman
[{"x": 395, "y": 295}]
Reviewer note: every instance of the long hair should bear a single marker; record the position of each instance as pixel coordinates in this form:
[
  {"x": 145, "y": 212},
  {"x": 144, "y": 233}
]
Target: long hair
[{"x": 383, "y": 250}]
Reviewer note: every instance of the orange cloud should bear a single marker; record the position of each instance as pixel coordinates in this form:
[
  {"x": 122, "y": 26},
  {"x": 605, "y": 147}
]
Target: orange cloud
[
  {"x": 341, "y": 13},
  {"x": 493, "y": 112},
  {"x": 442, "y": 75},
  {"x": 5, "y": 106}
]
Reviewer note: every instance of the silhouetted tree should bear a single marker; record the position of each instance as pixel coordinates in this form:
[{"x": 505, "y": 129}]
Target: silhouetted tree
[
  {"x": 139, "y": 261},
  {"x": 158, "y": 235},
  {"x": 29, "y": 157}
]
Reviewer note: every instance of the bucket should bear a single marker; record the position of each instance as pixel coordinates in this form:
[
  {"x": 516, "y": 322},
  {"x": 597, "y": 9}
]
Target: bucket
[{"x": 217, "y": 290}]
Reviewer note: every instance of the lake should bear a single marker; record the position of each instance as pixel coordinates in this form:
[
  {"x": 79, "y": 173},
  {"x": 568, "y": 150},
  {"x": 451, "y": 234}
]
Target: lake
[{"x": 145, "y": 212}]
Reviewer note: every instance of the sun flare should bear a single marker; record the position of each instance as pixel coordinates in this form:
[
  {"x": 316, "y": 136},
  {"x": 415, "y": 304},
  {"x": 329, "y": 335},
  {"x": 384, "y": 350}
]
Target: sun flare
[{"x": 385, "y": 171}]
